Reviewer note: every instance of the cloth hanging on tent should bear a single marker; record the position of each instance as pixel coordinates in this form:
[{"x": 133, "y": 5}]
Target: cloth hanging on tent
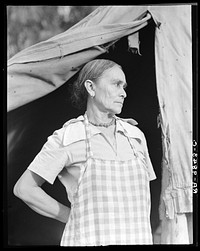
[
  {"x": 174, "y": 85},
  {"x": 173, "y": 55}
]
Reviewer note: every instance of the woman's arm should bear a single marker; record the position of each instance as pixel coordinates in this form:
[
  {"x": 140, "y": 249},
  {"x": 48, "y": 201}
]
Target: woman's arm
[{"x": 28, "y": 188}]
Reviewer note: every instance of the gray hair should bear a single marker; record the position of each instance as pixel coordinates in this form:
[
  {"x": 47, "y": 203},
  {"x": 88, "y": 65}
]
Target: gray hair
[{"x": 91, "y": 71}]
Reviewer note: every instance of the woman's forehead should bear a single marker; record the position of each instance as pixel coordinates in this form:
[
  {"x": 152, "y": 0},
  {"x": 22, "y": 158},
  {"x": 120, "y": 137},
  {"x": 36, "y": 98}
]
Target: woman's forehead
[{"x": 115, "y": 73}]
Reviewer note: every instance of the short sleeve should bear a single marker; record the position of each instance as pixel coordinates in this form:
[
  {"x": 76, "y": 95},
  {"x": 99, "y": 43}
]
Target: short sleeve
[{"x": 51, "y": 159}]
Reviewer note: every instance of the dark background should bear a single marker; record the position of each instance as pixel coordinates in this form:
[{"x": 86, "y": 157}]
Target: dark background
[{"x": 30, "y": 125}]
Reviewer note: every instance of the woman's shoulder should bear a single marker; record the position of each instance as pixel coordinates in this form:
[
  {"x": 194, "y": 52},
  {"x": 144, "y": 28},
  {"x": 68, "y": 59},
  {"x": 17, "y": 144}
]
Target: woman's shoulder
[
  {"x": 130, "y": 125},
  {"x": 74, "y": 122},
  {"x": 73, "y": 131}
]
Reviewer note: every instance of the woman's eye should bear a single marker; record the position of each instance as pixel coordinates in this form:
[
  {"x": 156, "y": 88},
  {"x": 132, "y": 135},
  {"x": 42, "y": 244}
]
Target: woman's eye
[
  {"x": 120, "y": 84},
  {"x": 117, "y": 84}
]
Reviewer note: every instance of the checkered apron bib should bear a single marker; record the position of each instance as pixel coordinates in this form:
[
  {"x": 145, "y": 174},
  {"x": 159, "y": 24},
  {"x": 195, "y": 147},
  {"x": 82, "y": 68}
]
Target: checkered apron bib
[{"x": 111, "y": 205}]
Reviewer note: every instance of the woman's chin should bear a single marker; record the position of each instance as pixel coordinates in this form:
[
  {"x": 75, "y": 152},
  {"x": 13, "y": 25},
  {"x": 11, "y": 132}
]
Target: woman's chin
[{"x": 117, "y": 111}]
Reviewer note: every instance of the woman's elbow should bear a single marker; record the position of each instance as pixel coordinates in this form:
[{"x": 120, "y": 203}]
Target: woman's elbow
[
  {"x": 21, "y": 190},
  {"x": 26, "y": 185}
]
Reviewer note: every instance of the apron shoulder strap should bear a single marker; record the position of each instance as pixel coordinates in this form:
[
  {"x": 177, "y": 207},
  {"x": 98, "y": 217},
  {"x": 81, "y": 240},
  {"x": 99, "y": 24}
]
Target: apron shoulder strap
[
  {"x": 89, "y": 152},
  {"x": 129, "y": 139}
]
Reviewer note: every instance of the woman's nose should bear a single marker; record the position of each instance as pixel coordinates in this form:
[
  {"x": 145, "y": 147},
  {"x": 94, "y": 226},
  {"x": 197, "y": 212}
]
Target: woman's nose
[{"x": 123, "y": 93}]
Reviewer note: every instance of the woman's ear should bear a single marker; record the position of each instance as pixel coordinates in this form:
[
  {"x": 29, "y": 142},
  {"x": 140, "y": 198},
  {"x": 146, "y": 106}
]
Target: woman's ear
[{"x": 89, "y": 85}]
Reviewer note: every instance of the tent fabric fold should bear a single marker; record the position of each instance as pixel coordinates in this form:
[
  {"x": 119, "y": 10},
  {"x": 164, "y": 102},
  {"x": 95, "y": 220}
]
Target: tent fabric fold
[
  {"x": 77, "y": 40},
  {"x": 49, "y": 62}
]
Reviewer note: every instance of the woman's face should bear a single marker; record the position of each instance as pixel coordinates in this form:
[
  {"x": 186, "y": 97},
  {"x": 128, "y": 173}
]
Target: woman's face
[{"x": 109, "y": 91}]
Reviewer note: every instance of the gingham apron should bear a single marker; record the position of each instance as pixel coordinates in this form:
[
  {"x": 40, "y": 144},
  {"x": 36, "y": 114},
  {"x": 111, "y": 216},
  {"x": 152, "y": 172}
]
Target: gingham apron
[{"x": 111, "y": 205}]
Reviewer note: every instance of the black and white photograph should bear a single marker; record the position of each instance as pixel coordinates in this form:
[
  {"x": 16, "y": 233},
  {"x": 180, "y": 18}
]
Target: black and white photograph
[{"x": 101, "y": 111}]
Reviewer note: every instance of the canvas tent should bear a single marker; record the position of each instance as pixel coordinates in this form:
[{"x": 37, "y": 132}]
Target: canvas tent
[{"x": 47, "y": 67}]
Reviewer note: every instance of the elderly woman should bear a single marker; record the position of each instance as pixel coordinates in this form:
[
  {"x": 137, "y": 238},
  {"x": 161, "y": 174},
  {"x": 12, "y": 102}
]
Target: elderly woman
[{"x": 103, "y": 162}]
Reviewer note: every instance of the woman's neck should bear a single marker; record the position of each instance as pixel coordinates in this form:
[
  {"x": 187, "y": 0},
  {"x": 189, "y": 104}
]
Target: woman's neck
[{"x": 96, "y": 116}]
